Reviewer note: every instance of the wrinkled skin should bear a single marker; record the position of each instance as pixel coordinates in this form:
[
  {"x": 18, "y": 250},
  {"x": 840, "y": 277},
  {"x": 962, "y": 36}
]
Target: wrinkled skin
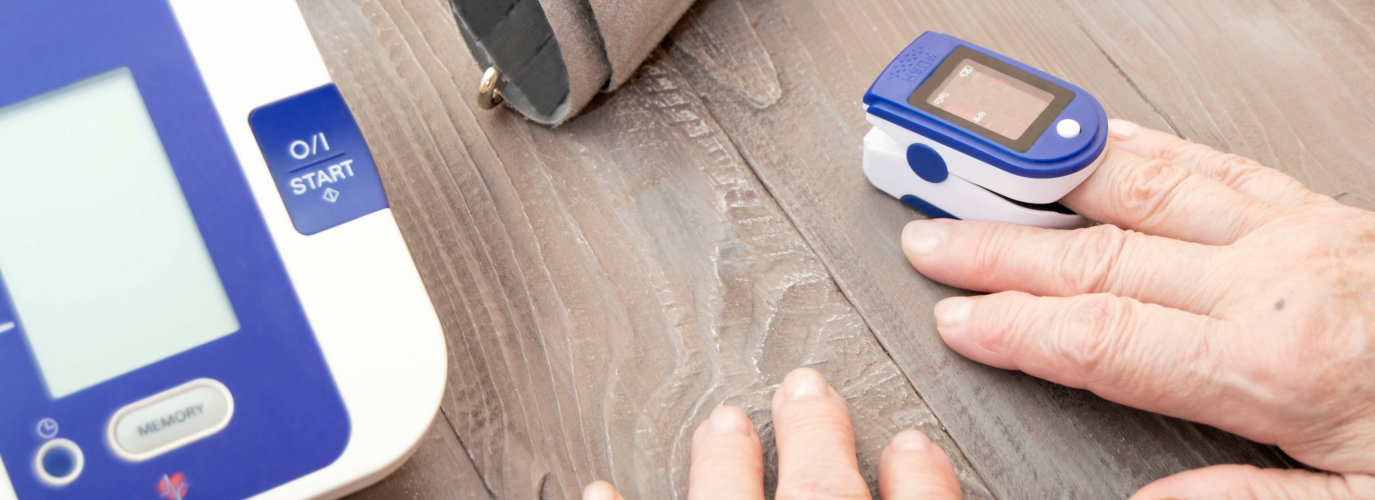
[{"x": 1216, "y": 290}]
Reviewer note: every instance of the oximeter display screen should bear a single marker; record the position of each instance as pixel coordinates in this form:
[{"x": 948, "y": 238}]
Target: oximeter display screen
[
  {"x": 990, "y": 99},
  {"x": 100, "y": 254}
]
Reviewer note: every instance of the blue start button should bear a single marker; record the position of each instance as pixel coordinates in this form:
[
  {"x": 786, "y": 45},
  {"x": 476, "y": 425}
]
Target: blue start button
[{"x": 318, "y": 158}]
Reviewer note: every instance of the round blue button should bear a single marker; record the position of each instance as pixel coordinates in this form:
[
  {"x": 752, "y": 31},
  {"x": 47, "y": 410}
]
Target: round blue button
[
  {"x": 927, "y": 163},
  {"x": 59, "y": 462}
]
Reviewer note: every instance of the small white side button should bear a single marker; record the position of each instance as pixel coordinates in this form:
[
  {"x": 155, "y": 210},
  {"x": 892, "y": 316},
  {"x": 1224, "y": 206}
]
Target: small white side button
[{"x": 1067, "y": 128}]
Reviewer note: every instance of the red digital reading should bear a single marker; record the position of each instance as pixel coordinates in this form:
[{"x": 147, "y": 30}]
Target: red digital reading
[{"x": 990, "y": 99}]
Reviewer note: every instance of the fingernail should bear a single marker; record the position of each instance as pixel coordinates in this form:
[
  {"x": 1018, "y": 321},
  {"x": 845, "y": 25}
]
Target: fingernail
[
  {"x": 600, "y": 490},
  {"x": 911, "y": 440},
  {"x": 951, "y": 313},
  {"x": 923, "y": 237},
  {"x": 729, "y": 420},
  {"x": 803, "y": 383},
  {"x": 1122, "y": 129}
]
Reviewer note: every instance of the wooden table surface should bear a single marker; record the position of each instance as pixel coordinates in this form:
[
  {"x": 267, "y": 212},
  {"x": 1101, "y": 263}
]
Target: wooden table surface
[{"x": 693, "y": 237}]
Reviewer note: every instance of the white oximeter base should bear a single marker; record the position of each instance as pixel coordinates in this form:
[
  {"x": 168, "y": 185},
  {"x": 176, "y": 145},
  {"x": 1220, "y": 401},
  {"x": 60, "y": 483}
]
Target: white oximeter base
[{"x": 886, "y": 166}]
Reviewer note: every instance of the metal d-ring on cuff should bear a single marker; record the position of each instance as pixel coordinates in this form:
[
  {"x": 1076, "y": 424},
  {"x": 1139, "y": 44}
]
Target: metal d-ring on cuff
[{"x": 489, "y": 90}]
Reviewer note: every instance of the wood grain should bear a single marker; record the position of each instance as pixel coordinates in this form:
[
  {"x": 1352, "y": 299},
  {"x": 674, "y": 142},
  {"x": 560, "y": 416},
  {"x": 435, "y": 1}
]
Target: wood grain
[
  {"x": 1286, "y": 83},
  {"x": 696, "y": 235},
  {"x": 606, "y": 285}
]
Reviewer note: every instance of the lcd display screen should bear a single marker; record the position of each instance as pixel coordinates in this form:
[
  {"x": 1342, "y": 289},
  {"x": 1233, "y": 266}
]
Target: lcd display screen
[
  {"x": 99, "y": 250},
  {"x": 991, "y": 99}
]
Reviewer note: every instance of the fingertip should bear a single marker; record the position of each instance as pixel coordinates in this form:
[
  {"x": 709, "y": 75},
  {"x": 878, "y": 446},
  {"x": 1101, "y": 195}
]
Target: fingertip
[
  {"x": 729, "y": 420},
  {"x": 912, "y": 466},
  {"x": 973, "y": 255},
  {"x": 728, "y": 430},
  {"x": 955, "y": 325},
  {"x": 600, "y": 490},
  {"x": 1122, "y": 129},
  {"x": 802, "y": 384},
  {"x": 814, "y": 437},
  {"x": 952, "y": 315},
  {"x": 921, "y": 239},
  {"x": 977, "y": 327},
  {"x": 911, "y": 440},
  {"x": 727, "y": 457}
]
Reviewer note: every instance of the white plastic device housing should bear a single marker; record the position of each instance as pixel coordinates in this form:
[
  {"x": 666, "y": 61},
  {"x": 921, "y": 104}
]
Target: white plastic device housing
[
  {"x": 968, "y": 192},
  {"x": 375, "y": 324}
]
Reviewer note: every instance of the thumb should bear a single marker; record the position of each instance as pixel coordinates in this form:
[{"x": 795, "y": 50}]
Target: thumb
[{"x": 1245, "y": 481}]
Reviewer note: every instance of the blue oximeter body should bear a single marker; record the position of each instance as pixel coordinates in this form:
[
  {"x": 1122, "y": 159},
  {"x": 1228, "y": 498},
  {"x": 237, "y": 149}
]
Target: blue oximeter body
[{"x": 963, "y": 132}]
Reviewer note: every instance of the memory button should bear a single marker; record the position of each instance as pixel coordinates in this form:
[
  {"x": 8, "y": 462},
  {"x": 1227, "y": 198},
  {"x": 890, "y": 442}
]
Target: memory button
[{"x": 171, "y": 419}]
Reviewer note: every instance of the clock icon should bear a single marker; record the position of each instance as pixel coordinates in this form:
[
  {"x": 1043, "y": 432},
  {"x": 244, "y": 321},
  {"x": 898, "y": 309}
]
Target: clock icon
[{"x": 47, "y": 428}]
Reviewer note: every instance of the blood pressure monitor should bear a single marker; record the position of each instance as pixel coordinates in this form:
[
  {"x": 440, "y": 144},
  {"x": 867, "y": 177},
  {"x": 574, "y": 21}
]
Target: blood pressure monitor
[
  {"x": 203, "y": 293},
  {"x": 962, "y": 132}
]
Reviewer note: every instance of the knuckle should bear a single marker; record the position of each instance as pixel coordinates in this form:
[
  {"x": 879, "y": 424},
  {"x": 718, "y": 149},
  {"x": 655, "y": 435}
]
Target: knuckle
[
  {"x": 1087, "y": 262},
  {"x": 1091, "y": 333},
  {"x": 1182, "y": 150},
  {"x": 1232, "y": 170},
  {"x": 812, "y": 422},
  {"x": 1146, "y": 190},
  {"x": 1201, "y": 356},
  {"x": 988, "y": 255},
  {"x": 1015, "y": 326}
]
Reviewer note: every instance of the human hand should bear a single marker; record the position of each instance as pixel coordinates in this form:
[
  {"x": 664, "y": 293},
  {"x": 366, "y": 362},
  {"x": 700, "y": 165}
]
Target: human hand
[
  {"x": 816, "y": 454},
  {"x": 1218, "y": 290}
]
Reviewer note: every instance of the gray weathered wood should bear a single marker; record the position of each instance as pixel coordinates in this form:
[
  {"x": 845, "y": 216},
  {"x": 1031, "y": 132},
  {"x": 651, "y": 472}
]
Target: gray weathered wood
[
  {"x": 606, "y": 285},
  {"x": 1287, "y": 83}
]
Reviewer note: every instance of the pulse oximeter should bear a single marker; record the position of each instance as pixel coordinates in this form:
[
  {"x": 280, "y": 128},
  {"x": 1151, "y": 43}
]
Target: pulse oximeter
[{"x": 963, "y": 132}]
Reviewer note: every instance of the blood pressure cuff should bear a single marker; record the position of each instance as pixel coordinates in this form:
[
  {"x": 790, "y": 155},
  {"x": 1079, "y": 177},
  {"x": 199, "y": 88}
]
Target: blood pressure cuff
[{"x": 555, "y": 55}]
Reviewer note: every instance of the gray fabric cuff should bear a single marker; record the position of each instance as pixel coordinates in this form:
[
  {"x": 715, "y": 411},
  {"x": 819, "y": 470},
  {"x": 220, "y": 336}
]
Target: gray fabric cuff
[{"x": 555, "y": 55}]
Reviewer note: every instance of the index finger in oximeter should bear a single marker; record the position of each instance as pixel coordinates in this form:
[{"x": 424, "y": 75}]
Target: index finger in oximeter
[{"x": 962, "y": 132}]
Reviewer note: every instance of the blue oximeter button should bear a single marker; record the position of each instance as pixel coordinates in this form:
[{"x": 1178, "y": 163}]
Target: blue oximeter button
[
  {"x": 318, "y": 158},
  {"x": 927, "y": 163}
]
